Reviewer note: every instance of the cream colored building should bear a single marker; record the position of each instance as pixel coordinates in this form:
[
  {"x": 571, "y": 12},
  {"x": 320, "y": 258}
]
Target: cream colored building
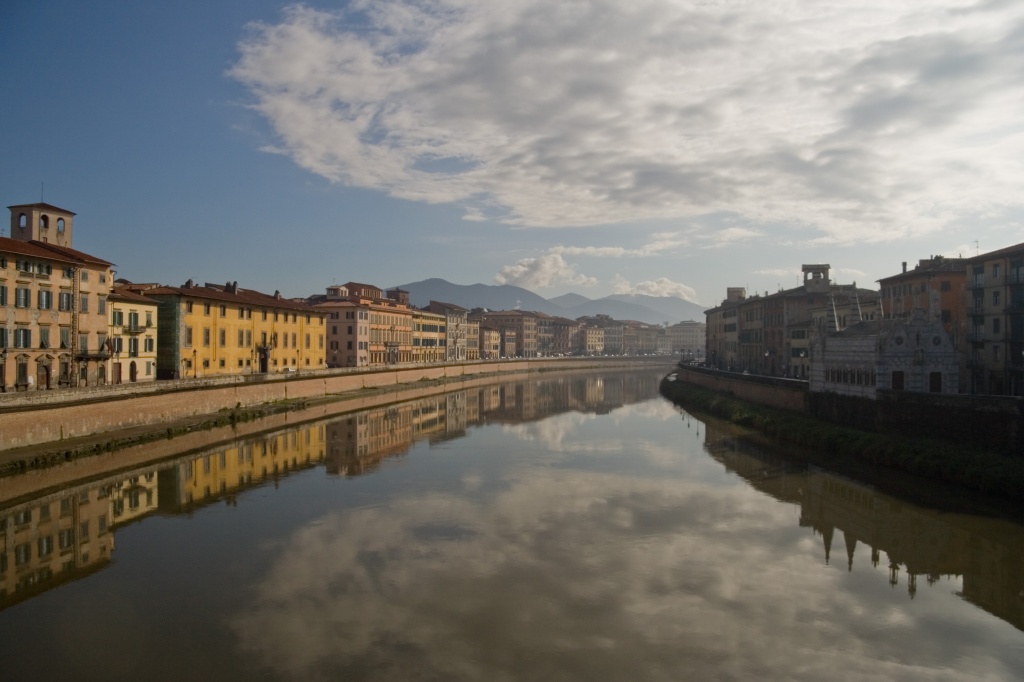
[
  {"x": 132, "y": 336},
  {"x": 53, "y": 304}
]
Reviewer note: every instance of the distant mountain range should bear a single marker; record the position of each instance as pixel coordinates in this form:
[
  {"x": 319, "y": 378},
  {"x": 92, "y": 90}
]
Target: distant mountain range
[{"x": 648, "y": 309}]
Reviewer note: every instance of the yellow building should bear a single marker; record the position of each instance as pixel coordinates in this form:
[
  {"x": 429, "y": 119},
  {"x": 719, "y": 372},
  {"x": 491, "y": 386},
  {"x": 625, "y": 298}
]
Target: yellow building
[
  {"x": 215, "y": 330},
  {"x": 428, "y": 336},
  {"x": 53, "y": 301},
  {"x": 132, "y": 336}
]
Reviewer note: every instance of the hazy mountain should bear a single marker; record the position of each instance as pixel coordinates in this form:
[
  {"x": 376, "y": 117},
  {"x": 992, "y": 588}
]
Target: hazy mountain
[
  {"x": 675, "y": 309},
  {"x": 649, "y": 309},
  {"x": 570, "y": 300},
  {"x": 490, "y": 296}
]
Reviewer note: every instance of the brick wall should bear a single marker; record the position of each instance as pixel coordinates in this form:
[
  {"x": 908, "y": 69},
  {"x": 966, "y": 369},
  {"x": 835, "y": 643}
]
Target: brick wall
[{"x": 39, "y": 417}]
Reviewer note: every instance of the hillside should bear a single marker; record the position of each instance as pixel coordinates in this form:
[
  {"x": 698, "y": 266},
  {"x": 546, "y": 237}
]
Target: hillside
[{"x": 648, "y": 309}]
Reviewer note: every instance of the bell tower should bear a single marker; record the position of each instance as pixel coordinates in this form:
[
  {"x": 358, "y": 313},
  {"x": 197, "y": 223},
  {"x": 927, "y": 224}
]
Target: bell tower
[{"x": 41, "y": 222}]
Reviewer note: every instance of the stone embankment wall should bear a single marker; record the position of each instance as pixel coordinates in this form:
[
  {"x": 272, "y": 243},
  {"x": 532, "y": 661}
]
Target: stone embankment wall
[
  {"x": 787, "y": 394},
  {"x": 993, "y": 423},
  {"x": 35, "y": 418}
]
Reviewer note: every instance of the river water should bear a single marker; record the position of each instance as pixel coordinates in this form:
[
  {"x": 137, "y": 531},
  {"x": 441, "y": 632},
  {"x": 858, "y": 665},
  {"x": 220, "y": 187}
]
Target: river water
[{"x": 574, "y": 527}]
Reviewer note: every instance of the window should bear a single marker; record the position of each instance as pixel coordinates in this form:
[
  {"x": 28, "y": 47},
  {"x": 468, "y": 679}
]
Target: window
[
  {"x": 117, "y": 344},
  {"x": 206, "y": 309},
  {"x": 995, "y": 271},
  {"x": 84, "y": 306},
  {"x": 3, "y": 295},
  {"x": 995, "y": 353},
  {"x": 188, "y": 306},
  {"x": 65, "y": 337},
  {"x": 307, "y": 341},
  {"x": 117, "y": 318},
  {"x": 223, "y": 310},
  {"x": 66, "y": 539},
  {"x": 149, "y": 345},
  {"x": 133, "y": 347},
  {"x": 45, "y": 299},
  {"x": 85, "y": 275},
  {"x": 45, "y": 546},
  {"x": 149, "y": 318},
  {"x": 995, "y": 297},
  {"x": 60, "y": 224},
  {"x": 22, "y": 297},
  {"x": 64, "y": 300},
  {"x": 22, "y": 337},
  {"x": 206, "y": 336},
  {"x": 3, "y": 337},
  {"x": 44, "y": 337},
  {"x": 995, "y": 325},
  {"x": 188, "y": 337},
  {"x": 101, "y": 305},
  {"x": 83, "y": 343},
  {"x": 241, "y": 338}
]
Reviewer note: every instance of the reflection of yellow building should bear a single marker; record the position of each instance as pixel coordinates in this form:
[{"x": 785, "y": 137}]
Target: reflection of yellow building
[
  {"x": 207, "y": 476},
  {"x": 133, "y": 497},
  {"x": 219, "y": 329},
  {"x": 358, "y": 443},
  {"x": 53, "y": 539}
]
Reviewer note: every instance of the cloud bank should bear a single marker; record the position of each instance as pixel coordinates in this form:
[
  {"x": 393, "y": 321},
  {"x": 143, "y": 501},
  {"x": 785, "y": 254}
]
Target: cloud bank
[
  {"x": 542, "y": 273},
  {"x": 848, "y": 122}
]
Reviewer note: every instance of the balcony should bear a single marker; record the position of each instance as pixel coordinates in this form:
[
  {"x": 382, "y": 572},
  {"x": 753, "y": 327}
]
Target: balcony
[
  {"x": 976, "y": 337},
  {"x": 977, "y": 283},
  {"x": 134, "y": 328}
]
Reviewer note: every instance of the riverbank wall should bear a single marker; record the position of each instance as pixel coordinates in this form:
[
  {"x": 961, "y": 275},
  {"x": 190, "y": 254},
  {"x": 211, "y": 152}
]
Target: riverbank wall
[
  {"x": 41, "y": 417},
  {"x": 992, "y": 423}
]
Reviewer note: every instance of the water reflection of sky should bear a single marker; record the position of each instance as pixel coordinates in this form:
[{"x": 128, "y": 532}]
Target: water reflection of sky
[
  {"x": 597, "y": 547},
  {"x": 561, "y": 530}
]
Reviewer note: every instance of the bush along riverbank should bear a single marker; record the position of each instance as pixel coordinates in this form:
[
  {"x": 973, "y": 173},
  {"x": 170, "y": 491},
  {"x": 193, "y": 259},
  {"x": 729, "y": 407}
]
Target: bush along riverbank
[{"x": 974, "y": 469}]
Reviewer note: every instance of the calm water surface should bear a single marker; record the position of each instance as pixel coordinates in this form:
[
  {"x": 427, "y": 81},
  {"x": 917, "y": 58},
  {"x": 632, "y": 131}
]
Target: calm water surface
[{"x": 574, "y": 528}]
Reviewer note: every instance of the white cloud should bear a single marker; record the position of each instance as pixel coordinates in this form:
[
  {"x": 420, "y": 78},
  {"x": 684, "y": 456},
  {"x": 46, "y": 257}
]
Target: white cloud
[
  {"x": 659, "y": 244},
  {"x": 658, "y": 287},
  {"x": 542, "y": 273},
  {"x": 850, "y": 122}
]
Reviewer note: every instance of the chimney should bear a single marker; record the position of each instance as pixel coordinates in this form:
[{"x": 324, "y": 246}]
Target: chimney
[{"x": 904, "y": 267}]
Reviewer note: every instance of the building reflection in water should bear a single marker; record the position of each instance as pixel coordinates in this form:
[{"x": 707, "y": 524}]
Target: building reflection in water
[
  {"x": 921, "y": 545},
  {"x": 56, "y": 537}
]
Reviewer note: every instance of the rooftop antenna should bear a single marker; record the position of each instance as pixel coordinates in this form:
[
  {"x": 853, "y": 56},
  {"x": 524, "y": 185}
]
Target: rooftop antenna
[{"x": 975, "y": 247}]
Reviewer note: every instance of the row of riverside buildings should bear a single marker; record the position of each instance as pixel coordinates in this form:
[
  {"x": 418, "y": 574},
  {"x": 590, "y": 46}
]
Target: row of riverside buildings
[
  {"x": 947, "y": 325},
  {"x": 66, "y": 322}
]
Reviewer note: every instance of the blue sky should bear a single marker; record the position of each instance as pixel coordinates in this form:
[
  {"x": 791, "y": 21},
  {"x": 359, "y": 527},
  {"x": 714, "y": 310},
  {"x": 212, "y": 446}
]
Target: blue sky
[{"x": 641, "y": 146}]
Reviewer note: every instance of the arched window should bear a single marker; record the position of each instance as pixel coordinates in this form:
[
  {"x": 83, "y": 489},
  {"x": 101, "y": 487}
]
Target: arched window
[
  {"x": 23, "y": 221},
  {"x": 44, "y": 222},
  {"x": 60, "y": 224}
]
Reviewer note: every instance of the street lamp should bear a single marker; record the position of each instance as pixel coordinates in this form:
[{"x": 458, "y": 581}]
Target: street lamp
[{"x": 195, "y": 364}]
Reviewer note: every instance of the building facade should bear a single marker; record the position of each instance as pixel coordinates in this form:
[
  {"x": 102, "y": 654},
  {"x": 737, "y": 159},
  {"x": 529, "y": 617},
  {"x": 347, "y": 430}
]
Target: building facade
[
  {"x": 216, "y": 330},
  {"x": 905, "y": 354},
  {"x": 995, "y": 313},
  {"x": 132, "y": 336},
  {"x": 53, "y": 304}
]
